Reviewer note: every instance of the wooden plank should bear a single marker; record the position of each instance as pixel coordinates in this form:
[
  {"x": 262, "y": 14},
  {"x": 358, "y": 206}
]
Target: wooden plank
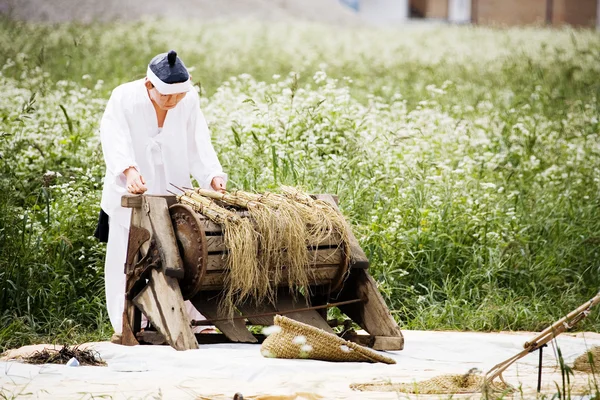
[
  {"x": 137, "y": 237},
  {"x": 135, "y": 200},
  {"x": 216, "y": 262},
  {"x": 382, "y": 343},
  {"x": 214, "y": 280},
  {"x": 335, "y": 197},
  {"x": 210, "y": 227},
  {"x": 358, "y": 258},
  {"x": 163, "y": 234},
  {"x": 215, "y": 229},
  {"x": 325, "y": 256},
  {"x": 131, "y": 201},
  {"x": 317, "y": 258},
  {"x": 372, "y": 315},
  {"x": 162, "y": 303},
  {"x": 127, "y": 337},
  {"x": 151, "y": 337},
  {"x": 216, "y": 244},
  {"x": 129, "y": 325},
  {"x": 388, "y": 343},
  {"x": 206, "y": 302},
  {"x": 216, "y": 338},
  {"x": 363, "y": 340},
  {"x": 333, "y": 240},
  {"x": 285, "y": 302},
  {"x": 144, "y": 222}
]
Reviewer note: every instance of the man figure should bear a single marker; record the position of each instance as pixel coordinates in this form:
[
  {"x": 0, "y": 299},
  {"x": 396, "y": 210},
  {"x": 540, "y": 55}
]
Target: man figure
[{"x": 153, "y": 133}]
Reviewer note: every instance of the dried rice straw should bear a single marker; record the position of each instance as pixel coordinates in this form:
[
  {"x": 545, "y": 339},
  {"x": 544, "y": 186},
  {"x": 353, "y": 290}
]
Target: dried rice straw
[
  {"x": 244, "y": 279},
  {"x": 588, "y": 361},
  {"x": 323, "y": 219},
  {"x": 62, "y": 356},
  {"x": 471, "y": 382},
  {"x": 282, "y": 239},
  {"x": 323, "y": 223},
  {"x": 288, "y": 237}
]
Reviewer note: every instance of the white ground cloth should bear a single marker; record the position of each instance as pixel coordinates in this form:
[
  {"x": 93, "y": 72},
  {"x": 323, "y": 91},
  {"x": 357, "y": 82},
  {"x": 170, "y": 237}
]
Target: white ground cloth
[{"x": 218, "y": 371}]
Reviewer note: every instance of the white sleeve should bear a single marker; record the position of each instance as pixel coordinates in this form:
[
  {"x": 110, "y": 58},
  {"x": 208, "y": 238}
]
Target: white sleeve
[
  {"x": 203, "y": 162},
  {"x": 116, "y": 138}
]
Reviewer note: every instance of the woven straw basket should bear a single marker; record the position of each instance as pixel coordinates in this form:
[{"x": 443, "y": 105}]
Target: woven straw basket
[{"x": 295, "y": 339}]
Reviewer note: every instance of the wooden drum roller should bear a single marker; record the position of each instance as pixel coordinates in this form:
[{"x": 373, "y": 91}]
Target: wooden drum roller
[
  {"x": 177, "y": 254},
  {"x": 204, "y": 254}
]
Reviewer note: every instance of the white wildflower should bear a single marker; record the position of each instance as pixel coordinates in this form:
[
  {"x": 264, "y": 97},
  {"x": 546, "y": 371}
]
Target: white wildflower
[
  {"x": 299, "y": 339},
  {"x": 269, "y": 330}
]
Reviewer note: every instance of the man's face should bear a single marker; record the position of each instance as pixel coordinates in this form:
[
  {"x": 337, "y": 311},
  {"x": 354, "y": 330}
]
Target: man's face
[{"x": 164, "y": 101}]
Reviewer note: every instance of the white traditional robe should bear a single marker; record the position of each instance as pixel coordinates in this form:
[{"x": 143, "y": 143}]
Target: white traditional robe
[{"x": 130, "y": 138}]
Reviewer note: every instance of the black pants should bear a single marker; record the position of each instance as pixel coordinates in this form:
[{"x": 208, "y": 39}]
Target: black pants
[{"x": 101, "y": 232}]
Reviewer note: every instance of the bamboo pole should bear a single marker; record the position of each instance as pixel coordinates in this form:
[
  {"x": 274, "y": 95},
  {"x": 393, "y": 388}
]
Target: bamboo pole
[
  {"x": 551, "y": 332},
  {"x": 566, "y": 322}
]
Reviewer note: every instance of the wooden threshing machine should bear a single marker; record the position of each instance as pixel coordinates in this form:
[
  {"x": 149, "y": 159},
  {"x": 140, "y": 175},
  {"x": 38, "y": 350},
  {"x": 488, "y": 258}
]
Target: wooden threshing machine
[{"x": 176, "y": 254}]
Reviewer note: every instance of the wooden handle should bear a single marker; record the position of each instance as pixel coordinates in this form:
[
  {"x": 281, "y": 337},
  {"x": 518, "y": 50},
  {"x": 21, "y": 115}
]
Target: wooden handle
[{"x": 559, "y": 325}]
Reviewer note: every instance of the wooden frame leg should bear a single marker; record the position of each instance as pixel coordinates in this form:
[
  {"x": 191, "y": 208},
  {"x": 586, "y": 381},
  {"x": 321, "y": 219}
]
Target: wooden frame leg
[
  {"x": 206, "y": 302},
  {"x": 162, "y": 303},
  {"x": 373, "y": 314}
]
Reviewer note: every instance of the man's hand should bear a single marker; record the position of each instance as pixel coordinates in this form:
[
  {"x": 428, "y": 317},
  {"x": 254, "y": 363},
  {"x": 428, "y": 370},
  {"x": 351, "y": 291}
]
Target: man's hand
[
  {"x": 218, "y": 184},
  {"x": 135, "y": 182}
]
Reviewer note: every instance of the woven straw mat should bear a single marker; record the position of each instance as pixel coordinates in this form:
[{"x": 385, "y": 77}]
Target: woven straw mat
[
  {"x": 443, "y": 384},
  {"x": 298, "y": 340},
  {"x": 582, "y": 363}
]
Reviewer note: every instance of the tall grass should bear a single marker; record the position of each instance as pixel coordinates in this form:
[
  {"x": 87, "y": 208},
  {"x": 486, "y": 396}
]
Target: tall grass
[{"x": 467, "y": 159}]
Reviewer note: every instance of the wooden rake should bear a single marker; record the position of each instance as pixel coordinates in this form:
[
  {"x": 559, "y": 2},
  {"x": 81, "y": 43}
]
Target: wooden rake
[{"x": 540, "y": 341}]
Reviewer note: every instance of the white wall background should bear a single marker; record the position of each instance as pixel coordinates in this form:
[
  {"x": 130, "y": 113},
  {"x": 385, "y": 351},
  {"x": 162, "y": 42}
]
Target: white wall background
[
  {"x": 384, "y": 11},
  {"x": 459, "y": 11}
]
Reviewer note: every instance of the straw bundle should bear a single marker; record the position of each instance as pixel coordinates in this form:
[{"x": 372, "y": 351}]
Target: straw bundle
[
  {"x": 244, "y": 279},
  {"x": 323, "y": 219},
  {"x": 62, "y": 356},
  {"x": 588, "y": 361},
  {"x": 287, "y": 239},
  {"x": 281, "y": 239},
  {"x": 293, "y": 339}
]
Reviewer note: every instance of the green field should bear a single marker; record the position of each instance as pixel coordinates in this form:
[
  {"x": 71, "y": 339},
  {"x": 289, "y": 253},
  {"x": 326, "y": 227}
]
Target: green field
[{"x": 467, "y": 159}]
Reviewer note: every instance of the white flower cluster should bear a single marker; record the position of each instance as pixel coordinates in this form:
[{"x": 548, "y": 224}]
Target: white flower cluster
[{"x": 464, "y": 164}]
